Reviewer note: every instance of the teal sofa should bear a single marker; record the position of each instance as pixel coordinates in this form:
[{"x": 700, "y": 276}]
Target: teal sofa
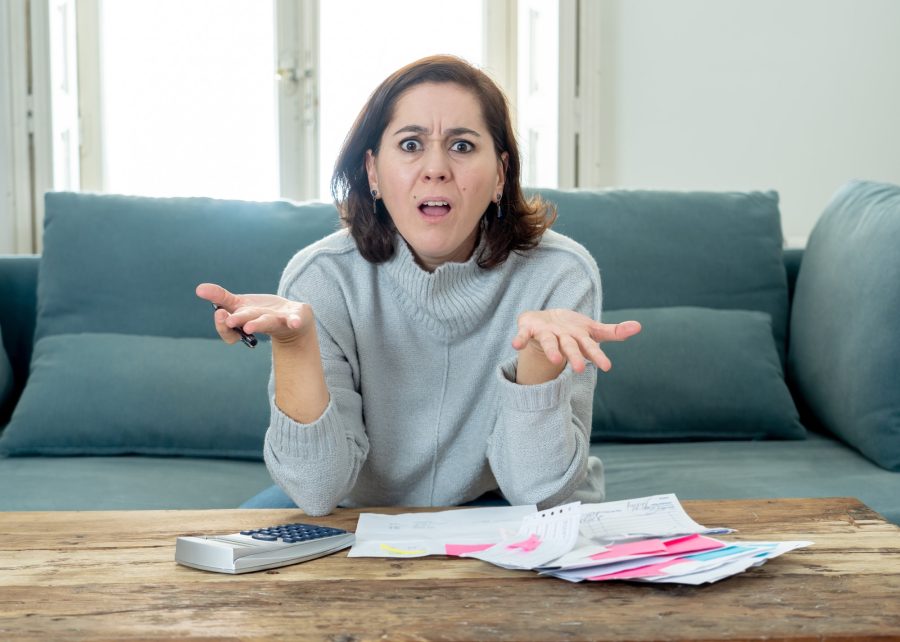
[{"x": 760, "y": 372}]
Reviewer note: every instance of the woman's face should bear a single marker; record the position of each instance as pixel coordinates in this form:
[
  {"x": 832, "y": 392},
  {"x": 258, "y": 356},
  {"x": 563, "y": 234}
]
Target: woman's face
[{"x": 437, "y": 171}]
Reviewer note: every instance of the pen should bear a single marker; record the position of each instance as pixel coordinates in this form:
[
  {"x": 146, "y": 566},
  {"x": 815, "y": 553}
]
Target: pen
[{"x": 248, "y": 339}]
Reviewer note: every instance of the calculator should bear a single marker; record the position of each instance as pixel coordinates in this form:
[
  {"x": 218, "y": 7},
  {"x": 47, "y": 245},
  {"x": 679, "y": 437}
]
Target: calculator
[{"x": 260, "y": 548}]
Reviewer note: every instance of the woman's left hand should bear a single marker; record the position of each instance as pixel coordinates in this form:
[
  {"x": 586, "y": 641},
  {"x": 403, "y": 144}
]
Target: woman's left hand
[{"x": 561, "y": 336}]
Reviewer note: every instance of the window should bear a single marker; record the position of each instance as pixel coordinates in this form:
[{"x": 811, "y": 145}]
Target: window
[
  {"x": 188, "y": 89},
  {"x": 188, "y": 98},
  {"x": 538, "y": 91}
]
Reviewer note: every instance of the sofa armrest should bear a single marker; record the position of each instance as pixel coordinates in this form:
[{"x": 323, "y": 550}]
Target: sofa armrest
[
  {"x": 792, "y": 259},
  {"x": 18, "y": 292}
]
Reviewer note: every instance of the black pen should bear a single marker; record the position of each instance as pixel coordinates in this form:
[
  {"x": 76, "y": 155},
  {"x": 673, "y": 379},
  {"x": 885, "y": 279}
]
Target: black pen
[{"x": 248, "y": 339}]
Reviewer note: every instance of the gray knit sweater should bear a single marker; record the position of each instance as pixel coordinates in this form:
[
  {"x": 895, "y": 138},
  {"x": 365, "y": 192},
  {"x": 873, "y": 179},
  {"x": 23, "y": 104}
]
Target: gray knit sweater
[{"x": 424, "y": 408}]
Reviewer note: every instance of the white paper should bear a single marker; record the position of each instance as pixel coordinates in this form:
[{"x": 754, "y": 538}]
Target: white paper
[
  {"x": 542, "y": 537},
  {"x": 770, "y": 550},
  {"x": 703, "y": 576},
  {"x": 580, "y": 555},
  {"x": 654, "y": 516},
  {"x": 420, "y": 534}
]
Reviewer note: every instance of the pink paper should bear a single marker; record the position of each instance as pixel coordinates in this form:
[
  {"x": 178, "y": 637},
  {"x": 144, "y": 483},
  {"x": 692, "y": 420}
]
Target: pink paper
[
  {"x": 527, "y": 545},
  {"x": 649, "y": 570},
  {"x": 691, "y": 544},
  {"x": 677, "y": 548},
  {"x": 459, "y": 549},
  {"x": 642, "y": 547}
]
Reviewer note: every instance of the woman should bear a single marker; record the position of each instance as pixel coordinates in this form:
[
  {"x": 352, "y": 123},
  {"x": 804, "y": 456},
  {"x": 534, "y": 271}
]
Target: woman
[{"x": 443, "y": 345}]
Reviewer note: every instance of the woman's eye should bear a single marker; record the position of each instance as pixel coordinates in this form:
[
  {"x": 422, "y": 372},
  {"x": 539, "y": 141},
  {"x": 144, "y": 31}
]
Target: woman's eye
[
  {"x": 410, "y": 145},
  {"x": 463, "y": 146}
]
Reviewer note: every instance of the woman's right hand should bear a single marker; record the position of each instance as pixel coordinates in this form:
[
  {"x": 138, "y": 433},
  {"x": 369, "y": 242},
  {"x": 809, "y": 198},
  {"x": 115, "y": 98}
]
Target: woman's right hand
[{"x": 283, "y": 320}]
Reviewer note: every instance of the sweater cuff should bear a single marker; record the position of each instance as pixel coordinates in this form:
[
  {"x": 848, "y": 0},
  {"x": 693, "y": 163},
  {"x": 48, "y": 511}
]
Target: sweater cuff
[
  {"x": 533, "y": 398},
  {"x": 317, "y": 440}
]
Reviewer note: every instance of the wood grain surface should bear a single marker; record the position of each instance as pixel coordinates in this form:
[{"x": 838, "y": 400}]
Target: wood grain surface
[{"x": 112, "y": 576}]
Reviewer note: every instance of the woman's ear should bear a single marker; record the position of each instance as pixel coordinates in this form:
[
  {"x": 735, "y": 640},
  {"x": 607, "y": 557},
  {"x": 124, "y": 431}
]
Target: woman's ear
[
  {"x": 370, "y": 170},
  {"x": 502, "y": 164}
]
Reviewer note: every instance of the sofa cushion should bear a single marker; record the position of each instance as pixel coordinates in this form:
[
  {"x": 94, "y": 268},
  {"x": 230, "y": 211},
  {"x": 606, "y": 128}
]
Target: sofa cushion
[
  {"x": 6, "y": 381},
  {"x": 128, "y": 483},
  {"x": 129, "y": 265},
  {"x": 659, "y": 249},
  {"x": 111, "y": 394},
  {"x": 845, "y": 351},
  {"x": 694, "y": 374},
  {"x": 818, "y": 466}
]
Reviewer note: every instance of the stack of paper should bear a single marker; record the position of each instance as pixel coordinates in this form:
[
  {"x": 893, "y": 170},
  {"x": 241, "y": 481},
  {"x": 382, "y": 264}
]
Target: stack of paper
[
  {"x": 650, "y": 539},
  {"x": 694, "y": 559}
]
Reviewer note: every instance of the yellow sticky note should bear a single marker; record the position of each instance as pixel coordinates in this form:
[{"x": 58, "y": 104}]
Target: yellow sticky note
[{"x": 400, "y": 551}]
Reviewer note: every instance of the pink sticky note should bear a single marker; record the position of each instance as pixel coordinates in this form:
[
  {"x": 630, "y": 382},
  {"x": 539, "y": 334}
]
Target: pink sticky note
[
  {"x": 691, "y": 544},
  {"x": 459, "y": 549},
  {"x": 649, "y": 570},
  {"x": 527, "y": 545},
  {"x": 642, "y": 547}
]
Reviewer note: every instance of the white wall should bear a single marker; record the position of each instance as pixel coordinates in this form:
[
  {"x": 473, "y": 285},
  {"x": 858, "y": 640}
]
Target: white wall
[{"x": 793, "y": 95}]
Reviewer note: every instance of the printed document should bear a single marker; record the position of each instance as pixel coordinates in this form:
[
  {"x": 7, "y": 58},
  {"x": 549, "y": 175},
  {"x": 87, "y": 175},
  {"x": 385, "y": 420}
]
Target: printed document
[{"x": 452, "y": 532}]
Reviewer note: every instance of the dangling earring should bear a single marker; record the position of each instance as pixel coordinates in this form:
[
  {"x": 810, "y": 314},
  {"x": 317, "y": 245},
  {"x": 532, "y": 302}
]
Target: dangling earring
[
  {"x": 374, "y": 201},
  {"x": 499, "y": 209}
]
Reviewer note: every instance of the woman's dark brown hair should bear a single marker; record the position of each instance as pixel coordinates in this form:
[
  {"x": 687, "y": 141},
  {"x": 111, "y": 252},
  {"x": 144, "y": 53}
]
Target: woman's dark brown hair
[{"x": 523, "y": 221}]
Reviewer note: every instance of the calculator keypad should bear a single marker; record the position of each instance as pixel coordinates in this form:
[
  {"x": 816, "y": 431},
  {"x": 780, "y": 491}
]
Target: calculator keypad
[{"x": 292, "y": 533}]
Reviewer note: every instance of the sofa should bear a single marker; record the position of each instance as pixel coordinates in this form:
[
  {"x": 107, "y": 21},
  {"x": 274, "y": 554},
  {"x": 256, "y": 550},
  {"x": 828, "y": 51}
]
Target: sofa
[{"x": 760, "y": 372}]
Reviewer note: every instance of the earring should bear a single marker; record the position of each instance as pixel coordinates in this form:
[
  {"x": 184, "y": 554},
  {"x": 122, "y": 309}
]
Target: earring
[
  {"x": 374, "y": 201},
  {"x": 499, "y": 209}
]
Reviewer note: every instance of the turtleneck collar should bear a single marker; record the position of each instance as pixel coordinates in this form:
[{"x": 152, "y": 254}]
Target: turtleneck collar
[{"x": 452, "y": 299}]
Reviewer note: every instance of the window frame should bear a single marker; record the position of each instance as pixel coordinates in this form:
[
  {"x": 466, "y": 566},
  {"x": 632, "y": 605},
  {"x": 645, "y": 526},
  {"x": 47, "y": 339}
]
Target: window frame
[{"x": 17, "y": 224}]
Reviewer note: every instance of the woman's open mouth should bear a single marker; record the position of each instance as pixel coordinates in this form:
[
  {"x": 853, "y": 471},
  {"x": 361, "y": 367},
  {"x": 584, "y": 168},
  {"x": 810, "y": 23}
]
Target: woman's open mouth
[{"x": 435, "y": 208}]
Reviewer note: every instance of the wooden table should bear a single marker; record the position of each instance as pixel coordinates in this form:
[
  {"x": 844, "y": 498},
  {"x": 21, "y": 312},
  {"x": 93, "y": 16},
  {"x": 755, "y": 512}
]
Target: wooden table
[{"x": 112, "y": 576}]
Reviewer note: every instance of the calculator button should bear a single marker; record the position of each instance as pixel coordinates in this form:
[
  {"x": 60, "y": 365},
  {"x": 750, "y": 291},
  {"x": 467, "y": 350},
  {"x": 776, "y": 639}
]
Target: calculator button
[
  {"x": 264, "y": 537},
  {"x": 292, "y": 533}
]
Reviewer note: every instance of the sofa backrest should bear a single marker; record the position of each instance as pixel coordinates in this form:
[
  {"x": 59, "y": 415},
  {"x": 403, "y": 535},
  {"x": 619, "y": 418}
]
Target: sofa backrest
[
  {"x": 129, "y": 265},
  {"x": 272, "y": 232},
  {"x": 654, "y": 248}
]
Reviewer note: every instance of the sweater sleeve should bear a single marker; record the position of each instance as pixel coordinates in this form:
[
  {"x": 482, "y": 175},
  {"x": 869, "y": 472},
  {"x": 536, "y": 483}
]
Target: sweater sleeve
[
  {"x": 317, "y": 464},
  {"x": 539, "y": 447}
]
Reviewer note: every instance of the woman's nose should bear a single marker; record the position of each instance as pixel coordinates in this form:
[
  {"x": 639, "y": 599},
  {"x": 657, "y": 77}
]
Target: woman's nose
[{"x": 436, "y": 167}]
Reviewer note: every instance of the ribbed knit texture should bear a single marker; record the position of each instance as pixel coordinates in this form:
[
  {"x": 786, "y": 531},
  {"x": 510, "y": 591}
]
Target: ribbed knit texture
[{"x": 424, "y": 408}]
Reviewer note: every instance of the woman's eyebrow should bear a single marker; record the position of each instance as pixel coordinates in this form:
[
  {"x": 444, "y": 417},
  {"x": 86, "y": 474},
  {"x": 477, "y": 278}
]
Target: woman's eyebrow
[{"x": 454, "y": 131}]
